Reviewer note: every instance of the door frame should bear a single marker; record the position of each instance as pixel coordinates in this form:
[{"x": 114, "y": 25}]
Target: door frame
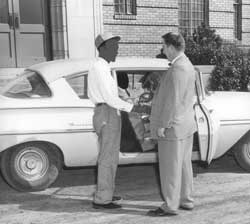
[
  {"x": 14, "y": 22},
  {"x": 9, "y": 29},
  {"x": 207, "y": 122}
]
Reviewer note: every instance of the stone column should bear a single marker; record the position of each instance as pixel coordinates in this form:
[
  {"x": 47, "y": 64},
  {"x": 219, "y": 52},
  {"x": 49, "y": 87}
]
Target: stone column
[
  {"x": 59, "y": 29},
  {"x": 98, "y": 18}
]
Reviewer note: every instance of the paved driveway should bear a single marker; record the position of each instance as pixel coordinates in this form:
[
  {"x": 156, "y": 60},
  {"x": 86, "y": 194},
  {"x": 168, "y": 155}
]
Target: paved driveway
[{"x": 222, "y": 195}]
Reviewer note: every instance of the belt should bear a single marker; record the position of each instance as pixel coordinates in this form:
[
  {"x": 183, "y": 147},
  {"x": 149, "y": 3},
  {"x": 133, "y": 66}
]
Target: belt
[{"x": 100, "y": 104}]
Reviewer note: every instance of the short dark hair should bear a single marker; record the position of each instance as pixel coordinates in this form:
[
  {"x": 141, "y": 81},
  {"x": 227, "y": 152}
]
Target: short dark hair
[{"x": 176, "y": 40}]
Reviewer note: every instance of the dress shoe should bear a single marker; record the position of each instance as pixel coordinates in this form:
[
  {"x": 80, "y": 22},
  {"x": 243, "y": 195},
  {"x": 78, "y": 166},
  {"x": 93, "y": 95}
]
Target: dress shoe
[
  {"x": 159, "y": 212},
  {"x": 187, "y": 208},
  {"x": 110, "y": 205},
  {"x": 116, "y": 198}
]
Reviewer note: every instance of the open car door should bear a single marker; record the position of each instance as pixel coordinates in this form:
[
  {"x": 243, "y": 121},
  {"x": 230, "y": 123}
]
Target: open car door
[{"x": 207, "y": 122}]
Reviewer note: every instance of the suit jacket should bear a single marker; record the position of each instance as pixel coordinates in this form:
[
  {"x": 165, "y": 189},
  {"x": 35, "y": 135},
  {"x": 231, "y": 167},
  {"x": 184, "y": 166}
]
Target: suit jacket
[{"x": 172, "y": 105}]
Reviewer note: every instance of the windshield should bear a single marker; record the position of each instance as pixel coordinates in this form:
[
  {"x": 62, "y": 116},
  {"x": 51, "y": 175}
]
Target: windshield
[{"x": 28, "y": 85}]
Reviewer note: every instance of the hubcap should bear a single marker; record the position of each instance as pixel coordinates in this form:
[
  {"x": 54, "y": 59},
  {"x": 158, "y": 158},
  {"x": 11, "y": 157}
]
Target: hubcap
[{"x": 31, "y": 163}]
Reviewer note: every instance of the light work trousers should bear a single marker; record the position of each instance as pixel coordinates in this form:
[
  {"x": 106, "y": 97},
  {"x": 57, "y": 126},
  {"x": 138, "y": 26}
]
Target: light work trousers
[
  {"x": 176, "y": 173},
  {"x": 107, "y": 124}
]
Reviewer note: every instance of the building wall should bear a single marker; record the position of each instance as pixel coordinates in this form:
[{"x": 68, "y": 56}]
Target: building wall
[
  {"x": 221, "y": 18},
  {"x": 84, "y": 22},
  {"x": 142, "y": 36},
  {"x": 246, "y": 22}
]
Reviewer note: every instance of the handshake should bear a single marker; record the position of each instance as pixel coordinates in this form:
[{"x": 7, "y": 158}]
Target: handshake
[{"x": 141, "y": 109}]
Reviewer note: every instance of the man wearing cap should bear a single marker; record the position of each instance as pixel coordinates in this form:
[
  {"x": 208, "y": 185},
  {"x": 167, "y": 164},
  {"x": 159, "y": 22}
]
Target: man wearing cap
[
  {"x": 103, "y": 92},
  {"x": 172, "y": 123}
]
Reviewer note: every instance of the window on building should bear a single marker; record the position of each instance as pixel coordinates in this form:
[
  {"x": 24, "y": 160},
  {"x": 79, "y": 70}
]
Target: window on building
[
  {"x": 237, "y": 19},
  {"x": 192, "y": 13},
  {"x": 125, "y": 7}
]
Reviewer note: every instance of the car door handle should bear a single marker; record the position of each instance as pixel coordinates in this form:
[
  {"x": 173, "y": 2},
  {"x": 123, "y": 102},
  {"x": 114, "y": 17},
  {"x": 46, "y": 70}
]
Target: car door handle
[
  {"x": 76, "y": 124},
  {"x": 16, "y": 20},
  {"x": 10, "y": 21}
]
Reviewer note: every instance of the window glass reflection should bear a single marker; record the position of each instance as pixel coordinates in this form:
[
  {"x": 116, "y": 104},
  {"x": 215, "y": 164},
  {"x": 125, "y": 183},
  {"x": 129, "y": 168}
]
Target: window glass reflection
[
  {"x": 4, "y": 11},
  {"x": 31, "y": 11}
]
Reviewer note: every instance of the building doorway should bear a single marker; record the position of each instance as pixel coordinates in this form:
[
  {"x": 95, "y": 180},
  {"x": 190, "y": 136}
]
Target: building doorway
[{"x": 24, "y": 32}]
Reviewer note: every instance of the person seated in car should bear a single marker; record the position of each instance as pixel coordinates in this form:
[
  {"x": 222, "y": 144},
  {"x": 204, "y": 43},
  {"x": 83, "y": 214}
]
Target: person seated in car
[
  {"x": 134, "y": 128},
  {"x": 123, "y": 83},
  {"x": 151, "y": 80},
  {"x": 130, "y": 132}
]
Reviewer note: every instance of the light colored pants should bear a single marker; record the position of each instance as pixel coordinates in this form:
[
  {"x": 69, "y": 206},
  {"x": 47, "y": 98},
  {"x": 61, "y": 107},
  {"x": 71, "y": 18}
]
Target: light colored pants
[
  {"x": 107, "y": 124},
  {"x": 176, "y": 173}
]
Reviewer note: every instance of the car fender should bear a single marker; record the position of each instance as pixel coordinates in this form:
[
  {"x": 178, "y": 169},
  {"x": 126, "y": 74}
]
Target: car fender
[{"x": 73, "y": 151}]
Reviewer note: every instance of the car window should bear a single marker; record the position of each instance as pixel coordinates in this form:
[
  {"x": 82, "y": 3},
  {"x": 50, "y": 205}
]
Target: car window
[
  {"x": 139, "y": 82},
  {"x": 29, "y": 85},
  {"x": 79, "y": 84}
]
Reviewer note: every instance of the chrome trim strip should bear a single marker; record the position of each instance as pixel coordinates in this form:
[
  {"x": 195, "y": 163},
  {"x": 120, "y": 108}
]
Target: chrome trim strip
[
  {"x": 25, "y": 108},
  {"x": 234, "y": 124},
  {"x": 63, "y": 131},
  {"x": 238, "y": 120},
  {"x": 163, "y": 68}
]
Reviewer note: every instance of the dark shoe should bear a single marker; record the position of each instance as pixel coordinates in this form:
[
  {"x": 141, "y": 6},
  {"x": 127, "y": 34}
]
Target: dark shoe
[
  {"x": 110, "y": 205},
  {"x": 116, "y": 198},
  {"x": 186, "y": 208},
  {"x": 159, "y": 212}
]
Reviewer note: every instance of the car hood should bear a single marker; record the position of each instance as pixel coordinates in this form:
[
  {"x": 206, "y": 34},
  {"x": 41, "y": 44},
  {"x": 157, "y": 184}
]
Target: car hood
[{"x": 230, "y": 105}]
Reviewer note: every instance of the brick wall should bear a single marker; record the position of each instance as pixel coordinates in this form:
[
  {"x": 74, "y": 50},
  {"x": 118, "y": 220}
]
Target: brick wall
[
  {"x": 246, "y": 22},
  {"x": 221, "y": 18},
  {"x": 141, "y": 36}
]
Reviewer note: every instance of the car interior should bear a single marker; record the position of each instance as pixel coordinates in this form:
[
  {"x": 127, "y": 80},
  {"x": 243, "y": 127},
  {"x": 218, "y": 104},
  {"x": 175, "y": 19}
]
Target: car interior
[{"x": 138, "y": 87}]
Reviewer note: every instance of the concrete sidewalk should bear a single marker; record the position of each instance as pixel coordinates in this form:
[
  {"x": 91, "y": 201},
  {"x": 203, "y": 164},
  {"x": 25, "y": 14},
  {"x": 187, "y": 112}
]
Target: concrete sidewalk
[{"x": 222, "y": 196}]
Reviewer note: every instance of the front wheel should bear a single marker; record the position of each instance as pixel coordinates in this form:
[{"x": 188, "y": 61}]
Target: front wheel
[
  {"x": 242, "y": 155},
  {"x": 30, "y": 166}
]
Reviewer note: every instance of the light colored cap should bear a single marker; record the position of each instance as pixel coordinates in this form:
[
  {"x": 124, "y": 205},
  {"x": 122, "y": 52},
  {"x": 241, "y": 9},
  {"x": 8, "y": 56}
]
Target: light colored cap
[{"x": 103, "y": 37}]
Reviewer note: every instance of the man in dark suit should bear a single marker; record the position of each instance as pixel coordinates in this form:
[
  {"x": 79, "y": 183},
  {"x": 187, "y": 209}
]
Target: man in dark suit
[{"x": 173, "y": 125}]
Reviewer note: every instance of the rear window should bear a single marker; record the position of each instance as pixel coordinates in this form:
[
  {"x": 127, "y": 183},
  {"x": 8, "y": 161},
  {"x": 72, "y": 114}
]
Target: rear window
[
  {"x": 78, "y": 83},
  {"x": 28, "y": 85}
]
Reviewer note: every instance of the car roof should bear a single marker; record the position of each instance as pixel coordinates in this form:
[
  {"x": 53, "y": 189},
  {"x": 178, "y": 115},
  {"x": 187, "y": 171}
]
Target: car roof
[{"x": 53, "y": 70}]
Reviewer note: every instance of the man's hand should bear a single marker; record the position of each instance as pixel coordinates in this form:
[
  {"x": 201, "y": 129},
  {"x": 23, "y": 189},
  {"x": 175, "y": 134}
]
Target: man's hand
[
  {"x": 161, "y": 132},
  {"x": 137, "y": 109},
  {"x": 141, "y": 109}
]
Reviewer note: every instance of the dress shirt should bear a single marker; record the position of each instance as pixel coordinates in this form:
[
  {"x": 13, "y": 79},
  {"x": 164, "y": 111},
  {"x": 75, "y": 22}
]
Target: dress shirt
[
  {"x": 102, "y": 87},
  {"x": 176, "y": 58}
]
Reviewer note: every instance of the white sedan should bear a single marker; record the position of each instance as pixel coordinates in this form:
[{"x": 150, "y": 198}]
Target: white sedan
[{"x": 46, "y": 121}]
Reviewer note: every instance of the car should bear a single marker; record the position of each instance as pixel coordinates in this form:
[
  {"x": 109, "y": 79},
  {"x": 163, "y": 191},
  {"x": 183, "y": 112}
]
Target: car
[{"x": 46, "y": 121}]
